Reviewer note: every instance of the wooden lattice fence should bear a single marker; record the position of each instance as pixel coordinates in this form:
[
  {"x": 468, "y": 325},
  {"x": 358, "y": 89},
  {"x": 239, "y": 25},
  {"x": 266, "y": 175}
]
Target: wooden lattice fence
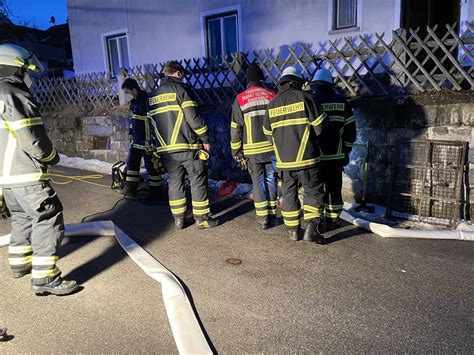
[{"x": 413, "y": 61}]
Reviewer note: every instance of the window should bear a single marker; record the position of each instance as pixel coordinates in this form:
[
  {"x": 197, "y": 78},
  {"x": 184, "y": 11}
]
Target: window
[
  {"x": 117, "y": 53},
  {"x": 222, "y": 35},
  {"x": 345, "y": 14}
]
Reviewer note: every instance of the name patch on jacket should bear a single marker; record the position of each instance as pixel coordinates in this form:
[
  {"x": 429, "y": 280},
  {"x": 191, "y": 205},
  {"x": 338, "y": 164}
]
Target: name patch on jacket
[
  {"x": 286, "y": 110},
  {"x": 162, "y": 98},
  {"x": 333, "y": 107}
]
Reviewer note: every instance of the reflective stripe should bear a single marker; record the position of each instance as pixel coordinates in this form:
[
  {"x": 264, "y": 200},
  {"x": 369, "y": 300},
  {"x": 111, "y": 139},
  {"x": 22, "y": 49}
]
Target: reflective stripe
[
  {"x": 257, "y": 145},
  {"x": 248, "y": 129},
  {"x": 200, "y": 212},
  {"x": 19, "y": 179},
  {"x": 337, "y": 118},
  {"x": 290, "y": 122},
  {"x": 177, "y": 127},
  {"x": 286, "y": 110},
  {"x": 332, "y": 214},
  {"x": 132, "y": 179},
  {"x": 350, "y": 120},
  {"x": 291, "y": 223},
  {"x": 234, "y": 125},
  {"x": 177, "y": 147},
  {"x": 200, "y": 203},
  {"x": 258, "y": 151},
  {"x": 312, "y": 209},
  {"x": 162, "y": 98},
  {"x": 262, "y": 213},
  {"x": 267, "y": 132},
  {"x": 304, "y": 142},
  {"x": 141, "y": 147},
  {"x": 153, "y": 183},
  {"x": 21, "y": 249},
  {"x": 44, "y": 260},
  {"x": 178, "y": 210},
  {"x": 348, "y": 144},
  {"x": 133, "y": 172},
  {"x": 178, "y": 202},
  {"x": 157, "y": 133},
  {"x": 273, "y": 203},
  {"x": 311, "y": 215},
  {"x": 236, "y": 145},
  {"x": 139, "y": 117},
  {"x": 201, "y": 131},
  {"x": 20, "y": 260},
  {"x": 332, "y": 157},
  {"x": 50, "y": 157},
  {"x": 255, "y": 113},
  {"x": 254, "y": 103},
  {"x": 42, "y": 274},
  {"x": 319, "y": 120},
  {"x": 261, "y": 204},
  {"x": 165, "y": 109},
  {"x": 26, "y": 122},
  {"x": 289, "y": 165},
  {"x": 186, "y": 104},
  {"x": 291, "y": 213}
]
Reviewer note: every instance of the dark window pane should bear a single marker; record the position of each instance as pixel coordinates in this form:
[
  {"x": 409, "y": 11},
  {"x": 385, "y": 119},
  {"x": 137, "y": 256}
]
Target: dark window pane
[
  {"x": 346, "y": 13},
  {"x": 230, "y": 35},
  {"x": 124, "y": 52},
  {"x": 214, "y": 37},
  {"x": 113, "y": 56}
]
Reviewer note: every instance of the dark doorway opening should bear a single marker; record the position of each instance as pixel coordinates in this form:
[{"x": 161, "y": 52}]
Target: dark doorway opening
[{"x": 422, "y": 13}]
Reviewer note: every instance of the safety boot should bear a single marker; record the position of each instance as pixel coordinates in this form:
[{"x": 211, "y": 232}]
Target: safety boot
[
  {"x": 58, "y": 287},
  {"x": 206, "y": 223},
  {"x": 312, "y": 233},
  {"x": 263, "y": 221},
  {"x": 179, "y": 222},
  {"x": 294, "y": 234},
  {"x": 332, "y": 224},
  {"x": 20, "y": 273}
]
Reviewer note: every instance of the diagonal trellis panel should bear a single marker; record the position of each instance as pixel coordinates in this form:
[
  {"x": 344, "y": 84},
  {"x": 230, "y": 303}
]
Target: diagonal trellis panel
[{"x": 404, "y": 62}]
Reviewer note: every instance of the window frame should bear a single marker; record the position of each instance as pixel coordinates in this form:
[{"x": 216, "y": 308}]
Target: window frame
[
  {"x": 106, "y": 37},
  {"x": 220, "y": 13},
  {"x": 335, "y": 16}
]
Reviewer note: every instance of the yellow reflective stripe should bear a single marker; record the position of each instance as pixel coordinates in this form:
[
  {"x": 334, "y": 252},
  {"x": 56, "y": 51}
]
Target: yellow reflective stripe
[
  {"x": 289, "y": 122},
  {"x": 311, "y": 215},
  {"x": 155, "y": 183},
  {"x": 311, "y": 208},
  {"x": 132, "y": 179},
  {"x": 319, "y": 120},
  {"x": 19, "y": 179},
  {"x": 259, "y": 151},
  {"x": 277, "y": 155},
  {"x": 139, "y": 117},
  {"x": 267, "y": 132},
  {"x": 286, "y": 110},
  {"x": 337, "y": 118},
  {"x": 42, "y": 274},
  {"x": 133, "y": 172},
  {"x": 200, "y": 212},
  {"x": 44, "y": 260},
  {"x": 289, "y": 165},
  {"x": 189, "y": 104},
  {"x": 26, "y": 122},
  {"x": 291, "y": 213},
  {"x": 257, "y": 145},
  {"x": 332, "y": 214},
  {"x": 20, "y": 261},
  {"x": 234, "y": 125},
  {"x": 261, "y": 213},
  {"x": 162, "y": 98},
  {"x": 21, "y": 249},
  {"x": 177, "y": 147},
  {"x": 273, "y": 203},
  {"x": 157, "y": 133},
  {"x": 201, "y": 131},
  {"x": 200, "y": 203},
  {"x": 304, "y": 142},
  {"x": 248, "y": 129},
  {"x": 333, "y": 106},
  {"x": 334, "y": 207},
  {"x": 236, "y": 145},
  {"x": 332, "y": 156},
  {"x": 261, "y": 204},
  {"x": 348, "y": 144},
  {"x": 291, "y": 223},
  {"x": 178, "y": 210},
  {"x": 164, "y": 109},
  {"x": 350, "y": 120},
  {"x": 177, "y": 127},
  {"x": 50, "y": 157},
  {"x": 178, "y": 202}
]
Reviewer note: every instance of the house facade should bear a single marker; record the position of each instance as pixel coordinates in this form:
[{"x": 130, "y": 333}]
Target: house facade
[{"x": 122, "y": 33}]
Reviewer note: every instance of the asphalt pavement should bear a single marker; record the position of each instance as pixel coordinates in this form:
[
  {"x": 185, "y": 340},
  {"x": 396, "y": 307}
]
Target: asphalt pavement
[{"x": 360, "y": 293}]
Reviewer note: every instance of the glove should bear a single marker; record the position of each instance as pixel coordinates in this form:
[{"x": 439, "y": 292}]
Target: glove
[{"x": 242, "y": 161}]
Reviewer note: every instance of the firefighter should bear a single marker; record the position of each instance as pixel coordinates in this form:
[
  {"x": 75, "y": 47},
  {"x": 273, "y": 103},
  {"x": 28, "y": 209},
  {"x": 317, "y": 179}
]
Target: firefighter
[
  {"x": 294, "y": 122},
  {"x": 183, "y": 145},
  {"x": 25, "y": 156},
  {"x": 250, "y": 147},
  {"x": 140, "y": 136},
  {"x": 336, "y": 144}
]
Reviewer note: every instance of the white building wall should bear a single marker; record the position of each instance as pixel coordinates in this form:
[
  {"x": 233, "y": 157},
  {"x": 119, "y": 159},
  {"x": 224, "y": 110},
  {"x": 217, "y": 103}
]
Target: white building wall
[{"x": 159, "y": 30}]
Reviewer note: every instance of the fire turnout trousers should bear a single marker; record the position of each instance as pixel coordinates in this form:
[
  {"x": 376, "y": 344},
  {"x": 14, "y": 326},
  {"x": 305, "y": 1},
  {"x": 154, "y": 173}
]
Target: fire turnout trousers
[
  {"x": 37, "y": 231},
  {"x": 313, "y": 196},
  {"x": 153, "y": 166},
  {"x": 177, "y": 165},
  {"x": 331, "y": 172},
  {"x": 264, "y": 187}
]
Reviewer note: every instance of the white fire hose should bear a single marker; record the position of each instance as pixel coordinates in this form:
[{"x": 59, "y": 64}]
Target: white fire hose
[{"x": 188, "y": 334}]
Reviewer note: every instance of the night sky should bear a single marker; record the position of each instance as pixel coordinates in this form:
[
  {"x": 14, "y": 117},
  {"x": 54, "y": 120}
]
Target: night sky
[{"x": 38, "y": 12}]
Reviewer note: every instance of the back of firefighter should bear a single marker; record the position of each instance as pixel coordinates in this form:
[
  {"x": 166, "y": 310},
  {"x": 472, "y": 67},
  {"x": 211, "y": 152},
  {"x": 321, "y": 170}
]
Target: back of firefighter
[
  {"x": 250, "y": 148},
  {"x": 336, "y": 144},
  {"x": 140, "y": 136},
  {"x": 183, "y": 145},
  {"x": 294, "y": 122},
  {"x": 25, "y": 156}
]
